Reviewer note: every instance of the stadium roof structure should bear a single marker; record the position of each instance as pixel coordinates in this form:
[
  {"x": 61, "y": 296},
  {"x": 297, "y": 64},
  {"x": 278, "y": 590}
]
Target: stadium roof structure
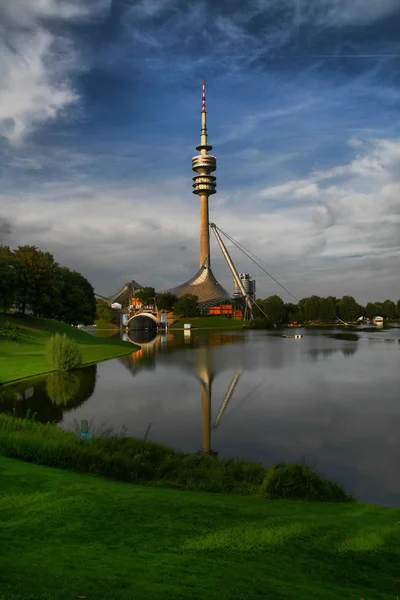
[
  {"x": 203, "y": 285},
  {"x": 125, "y": 293}
]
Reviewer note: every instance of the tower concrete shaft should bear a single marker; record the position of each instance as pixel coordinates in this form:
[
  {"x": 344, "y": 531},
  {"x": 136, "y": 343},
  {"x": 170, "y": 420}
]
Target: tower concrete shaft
[{"x": 204, "y": 183}]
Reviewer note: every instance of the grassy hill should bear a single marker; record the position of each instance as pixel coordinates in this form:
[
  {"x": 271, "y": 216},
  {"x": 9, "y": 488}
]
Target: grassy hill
[
  {"x": 209, "y": 323},
  {"x": 105, "y": 325},
  {"x": 65, "y": 535},
  {"x": 27, "y": 356}
]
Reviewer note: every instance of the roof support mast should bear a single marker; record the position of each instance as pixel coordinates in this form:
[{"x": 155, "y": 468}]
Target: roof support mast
[
  {"x": 228, "y": 396},
  {"x": 249, "y": 303}
]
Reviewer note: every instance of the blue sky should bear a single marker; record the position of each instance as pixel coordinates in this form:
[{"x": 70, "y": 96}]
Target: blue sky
[{"x": 100, "y": 115}]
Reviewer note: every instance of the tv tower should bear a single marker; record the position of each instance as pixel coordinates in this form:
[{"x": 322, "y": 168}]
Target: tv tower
[
  {"x": 204, "y": 183},
  {"x": 203, "y": 284}
]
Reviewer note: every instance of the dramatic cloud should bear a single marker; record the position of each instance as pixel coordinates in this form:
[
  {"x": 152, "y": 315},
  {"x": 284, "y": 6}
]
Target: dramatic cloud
[
  {"x": 36, "y": 62},
  {"x": 99, "y": 116},
  {"x": 344, "y": 222}
]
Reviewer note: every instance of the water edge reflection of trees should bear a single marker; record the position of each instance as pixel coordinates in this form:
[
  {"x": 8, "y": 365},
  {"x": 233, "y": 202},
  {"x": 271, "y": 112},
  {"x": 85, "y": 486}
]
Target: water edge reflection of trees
[{"x": 51, "y": 395}]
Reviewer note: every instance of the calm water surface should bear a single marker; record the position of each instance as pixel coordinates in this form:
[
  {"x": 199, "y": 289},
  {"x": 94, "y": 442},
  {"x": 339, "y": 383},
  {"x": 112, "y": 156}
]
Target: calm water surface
[{"x": 332, "y": 397}]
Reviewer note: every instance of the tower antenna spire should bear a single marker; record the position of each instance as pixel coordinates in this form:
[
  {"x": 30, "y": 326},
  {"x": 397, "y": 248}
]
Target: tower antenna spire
[{"x": 203, "y": 132}]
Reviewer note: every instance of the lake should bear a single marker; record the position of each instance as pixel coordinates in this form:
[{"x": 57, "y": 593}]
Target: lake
[{"x": 331, "y": 397}]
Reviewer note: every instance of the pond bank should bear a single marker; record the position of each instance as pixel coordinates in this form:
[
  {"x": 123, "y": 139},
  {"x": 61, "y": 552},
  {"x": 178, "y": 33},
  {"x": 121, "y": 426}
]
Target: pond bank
[
  {"x": 185, "y": 544},
  {"x": 208, "y": 323},
  {"x": 140, "y": 461},
  {"x": 26, "y": 356}
]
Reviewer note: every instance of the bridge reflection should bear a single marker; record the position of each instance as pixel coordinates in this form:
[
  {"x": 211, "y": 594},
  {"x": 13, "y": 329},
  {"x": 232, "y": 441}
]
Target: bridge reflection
[{"x": 200, "y": 363}]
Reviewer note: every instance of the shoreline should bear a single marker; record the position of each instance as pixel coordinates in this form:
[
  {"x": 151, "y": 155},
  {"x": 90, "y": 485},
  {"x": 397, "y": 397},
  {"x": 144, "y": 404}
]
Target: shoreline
[
  {"x": 83, "y": 365},
  {"x": 26, "y": 356},
  {"x": 134, "y": 460}
]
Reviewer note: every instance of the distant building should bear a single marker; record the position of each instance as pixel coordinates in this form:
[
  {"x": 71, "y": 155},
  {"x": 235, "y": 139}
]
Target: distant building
[
  {"x": 226, "y": 310},
  {"x": 248, "y": 283}
]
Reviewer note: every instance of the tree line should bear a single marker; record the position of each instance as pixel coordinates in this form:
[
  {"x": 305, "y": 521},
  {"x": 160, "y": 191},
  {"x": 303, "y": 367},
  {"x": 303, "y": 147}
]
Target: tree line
[
  {"x": 325, "y": 310},
  {"x": 31, "y": 280}
]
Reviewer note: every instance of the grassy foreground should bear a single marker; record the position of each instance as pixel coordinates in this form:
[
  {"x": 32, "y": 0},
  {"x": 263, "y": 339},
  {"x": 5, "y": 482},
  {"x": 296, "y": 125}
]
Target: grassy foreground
[
  {"x": 27, "y": 356},
  {"x": 65, "y": 536},
  {"x": 209, "y": 323}
]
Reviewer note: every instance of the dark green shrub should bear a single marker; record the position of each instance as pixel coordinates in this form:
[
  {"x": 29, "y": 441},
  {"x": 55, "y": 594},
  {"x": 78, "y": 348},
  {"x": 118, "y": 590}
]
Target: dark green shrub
[
  {"x": 9, "y": 331},
  {"x": 300, "y": 481},
  {"x": 63, "y": 353}
]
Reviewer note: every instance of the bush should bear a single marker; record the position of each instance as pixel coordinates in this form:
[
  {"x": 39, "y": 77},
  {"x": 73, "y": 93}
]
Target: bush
[
  {"x": 300, "y": 481},
  {"x": 9, "y": 331},
  {"x": 63, "y": 353}
]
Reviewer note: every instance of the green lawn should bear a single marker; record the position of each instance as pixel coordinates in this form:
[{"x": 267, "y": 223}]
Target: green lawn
[
  {"x": 209, "y": 323},
  {"x": 27, "y": 356},
  {"x": 65, "y": 536},
  {"x": 105, "y": 325}
]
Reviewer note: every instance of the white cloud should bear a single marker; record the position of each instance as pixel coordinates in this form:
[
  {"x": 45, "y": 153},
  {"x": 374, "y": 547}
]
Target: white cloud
[
  {"x": 298, "y": 188},
  {"x": 331, "y": 12},
  {"x": 358, "y": 12},
  {"x": 344, "y": 239},
  {"x": 254, "y": 121},
  {"x": 36, "y": 63}
]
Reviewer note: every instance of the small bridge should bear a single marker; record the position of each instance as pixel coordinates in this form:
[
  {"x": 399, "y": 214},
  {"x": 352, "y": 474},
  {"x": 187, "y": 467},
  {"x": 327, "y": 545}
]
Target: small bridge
[{"x": 144, "y": 320}]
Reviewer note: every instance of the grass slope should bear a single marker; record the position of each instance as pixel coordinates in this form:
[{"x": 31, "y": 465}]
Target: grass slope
[
  {"x": 209, "y": 323},
  {"x": 27, "y": 356},
  {"x": 105, "y": 325},
  {"x": 64, "y": 535}
]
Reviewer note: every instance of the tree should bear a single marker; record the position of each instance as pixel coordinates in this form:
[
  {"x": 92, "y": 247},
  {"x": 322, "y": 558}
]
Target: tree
[
  {"x": 291, "y": 312},
  {"x": 77, "y": 302},
  {"x": 274, "y": 307},
  {"x": 166, "y": 301},
  {"x": 186, "y": 306},
  {"x": 103, "y": 311},
  {"x": 398, "y": 309},
  {"x": 389, "y": 309},
  {"x": 349, "y": 309},
  {"x": 312, "y": 308},
  {"x": 37, "y": 282},
  {"x": 145, "y": 295},
  {"x": 373, "y": 309},
  {"x": 328, "y": 309},
  {"x": 8, "y": 279}
]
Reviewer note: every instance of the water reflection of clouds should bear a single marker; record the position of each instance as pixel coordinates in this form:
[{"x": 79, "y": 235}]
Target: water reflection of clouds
[
  {"x": 332, "y": 400},
  {"x": 361, "y": 450}
]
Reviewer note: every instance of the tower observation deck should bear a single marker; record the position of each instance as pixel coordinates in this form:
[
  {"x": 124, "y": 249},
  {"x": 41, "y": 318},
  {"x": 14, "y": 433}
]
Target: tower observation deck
[
  {"x": 204, "y": 183},
  {"x": 203, "y": 284}
]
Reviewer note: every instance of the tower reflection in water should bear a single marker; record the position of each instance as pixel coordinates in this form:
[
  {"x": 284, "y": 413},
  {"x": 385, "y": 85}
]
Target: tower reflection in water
[{"x": 200, "y": 363}]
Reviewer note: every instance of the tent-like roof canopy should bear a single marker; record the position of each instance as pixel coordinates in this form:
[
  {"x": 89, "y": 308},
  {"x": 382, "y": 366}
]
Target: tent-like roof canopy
[{"x": 204, "y": 286}]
